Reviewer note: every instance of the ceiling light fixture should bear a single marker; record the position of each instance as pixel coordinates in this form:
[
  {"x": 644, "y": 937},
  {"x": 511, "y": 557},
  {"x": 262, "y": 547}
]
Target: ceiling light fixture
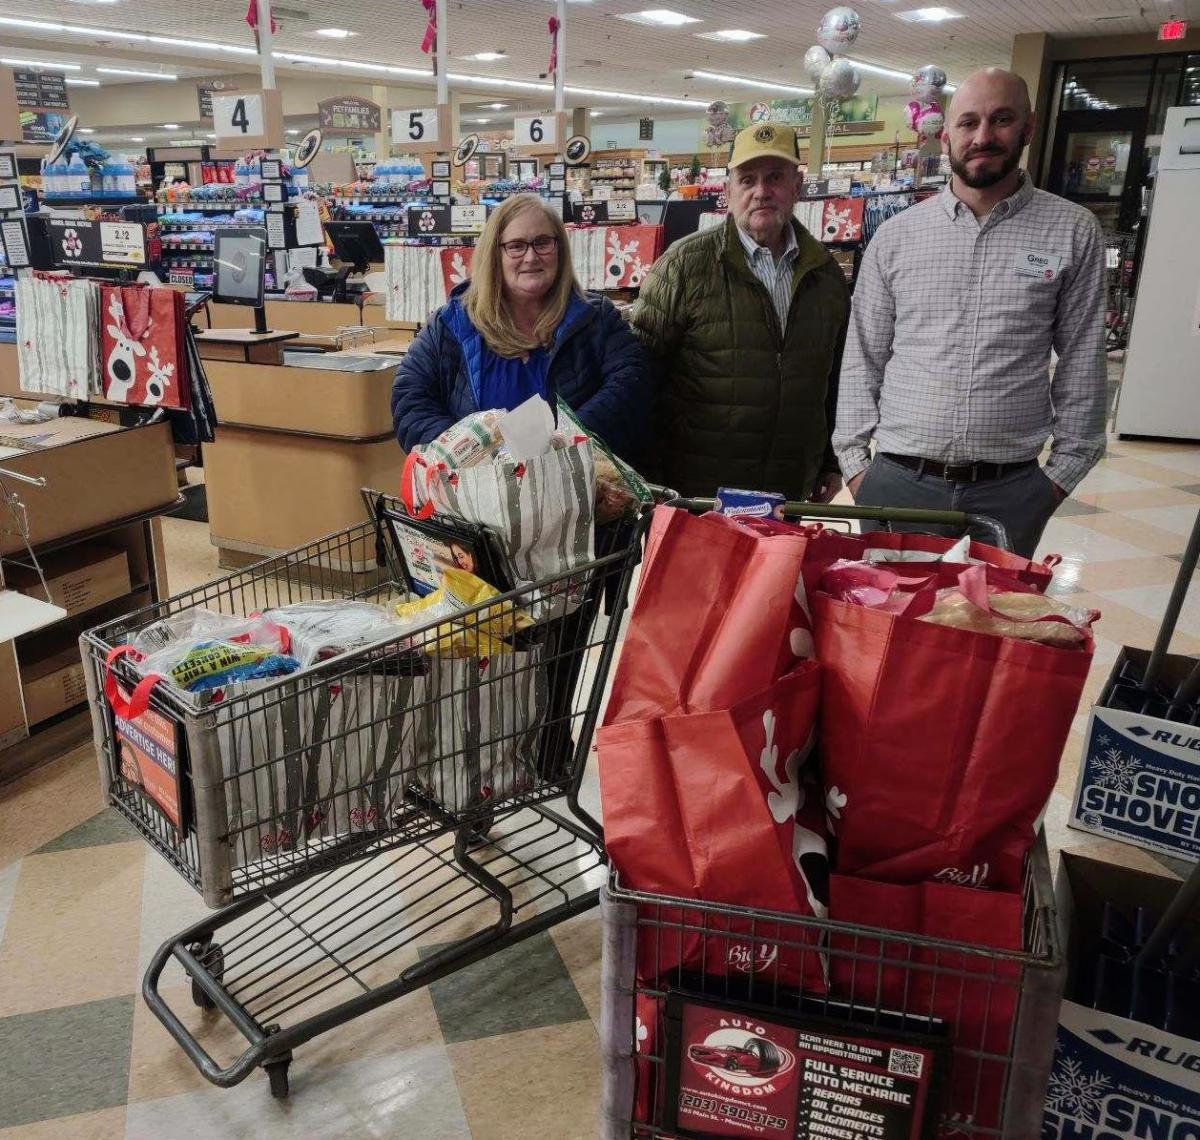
[
  {"x": 336, "y": 33},
  {"x": 742, "y": 81},
  {"x": 87, "y": 130},
  {"x": 887, "y": 72},
  {"x": 486, "y": 56},
  {"x": 83, "y": 82},
  {"x": 659, "y": 18},
  {"x": 730, "y": 36},
  {"x": 200, "y": 45},
  {"x": 495, "y": 106},
  {"x": 170, "y": 126},
  {"x": 42, "y": 64},
  {"x": 137, "y": 74},
  {"x": 928, "y": 15},
  {"x": 482, "y": 120},
  {"x": 136, "y": 138},
  {"x": 293, "y": 130}
]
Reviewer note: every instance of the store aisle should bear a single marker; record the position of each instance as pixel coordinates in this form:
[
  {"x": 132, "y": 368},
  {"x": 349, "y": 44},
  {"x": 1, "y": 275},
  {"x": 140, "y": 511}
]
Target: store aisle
[{"x": 505, "y": 1050}]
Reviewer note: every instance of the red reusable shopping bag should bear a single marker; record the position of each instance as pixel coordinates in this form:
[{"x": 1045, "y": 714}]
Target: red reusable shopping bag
[
  {"x": 1036, "y": 574},
  {"x": 143, "y": 347},
  {"x": 940, "y": 746},
  {"x": 720, "y": 614},
  {"x": 715, "y": 806},
  {"x": 974, "y": 992}
]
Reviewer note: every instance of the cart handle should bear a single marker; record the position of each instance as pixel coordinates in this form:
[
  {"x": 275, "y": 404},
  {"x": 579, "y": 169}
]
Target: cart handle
[{"x": 961, "y": 520}]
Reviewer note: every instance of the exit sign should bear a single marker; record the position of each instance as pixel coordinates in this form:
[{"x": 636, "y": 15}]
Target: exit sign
[{"x": 1172, "y": 29}]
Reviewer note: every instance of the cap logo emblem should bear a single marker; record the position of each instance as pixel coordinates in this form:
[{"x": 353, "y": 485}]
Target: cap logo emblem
[{"x": 764, "y": 134}]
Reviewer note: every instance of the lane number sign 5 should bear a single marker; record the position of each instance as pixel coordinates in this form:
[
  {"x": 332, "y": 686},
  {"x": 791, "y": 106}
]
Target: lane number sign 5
[{"x": 415, "y": 126}]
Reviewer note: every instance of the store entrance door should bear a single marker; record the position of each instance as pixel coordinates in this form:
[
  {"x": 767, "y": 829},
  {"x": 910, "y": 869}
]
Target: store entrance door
[{"x": 1097, "y": 161}]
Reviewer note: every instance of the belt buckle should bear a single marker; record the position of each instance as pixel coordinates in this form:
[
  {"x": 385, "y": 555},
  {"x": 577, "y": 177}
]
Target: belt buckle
[{"x": 970, "y": 473}]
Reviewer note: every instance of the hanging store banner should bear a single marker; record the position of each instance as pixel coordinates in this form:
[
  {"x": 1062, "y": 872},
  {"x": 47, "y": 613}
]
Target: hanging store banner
[
  {"x": 349, "y": 115},
  {"x": 858, "y": 115},
  {"x": 46, "y": 90}
]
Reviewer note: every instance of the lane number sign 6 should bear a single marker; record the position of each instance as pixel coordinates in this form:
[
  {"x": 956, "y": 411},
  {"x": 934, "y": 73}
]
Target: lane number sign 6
[{"x": 536, "y": 130}]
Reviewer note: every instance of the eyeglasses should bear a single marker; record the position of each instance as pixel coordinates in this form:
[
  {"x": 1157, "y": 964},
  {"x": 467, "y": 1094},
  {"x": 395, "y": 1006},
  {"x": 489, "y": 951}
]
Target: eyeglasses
[{"x": 541, "y": 245}]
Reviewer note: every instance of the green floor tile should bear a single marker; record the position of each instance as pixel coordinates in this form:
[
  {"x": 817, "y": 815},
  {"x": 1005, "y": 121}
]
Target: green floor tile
[
  {"x": 526, "y": 986},
  {"x": 1070, "y": 507},
  {"x": 108, "y": 826},
  {"x": 59, "y": 1062}
]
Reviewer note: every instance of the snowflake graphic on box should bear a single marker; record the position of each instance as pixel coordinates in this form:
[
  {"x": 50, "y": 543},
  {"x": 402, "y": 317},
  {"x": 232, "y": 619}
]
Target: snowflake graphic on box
[
  {"x": 1075, "y": 1092},
  {"x": 1115, "y": 770}
]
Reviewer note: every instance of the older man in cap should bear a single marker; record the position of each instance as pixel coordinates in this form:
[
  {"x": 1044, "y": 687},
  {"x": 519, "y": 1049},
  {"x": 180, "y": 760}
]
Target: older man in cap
[{"x": 745, "y": 324}]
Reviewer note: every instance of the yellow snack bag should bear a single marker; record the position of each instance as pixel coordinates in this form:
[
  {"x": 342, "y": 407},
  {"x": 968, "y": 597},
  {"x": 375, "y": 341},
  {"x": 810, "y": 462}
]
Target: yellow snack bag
[{"x": 478, "y": 635}]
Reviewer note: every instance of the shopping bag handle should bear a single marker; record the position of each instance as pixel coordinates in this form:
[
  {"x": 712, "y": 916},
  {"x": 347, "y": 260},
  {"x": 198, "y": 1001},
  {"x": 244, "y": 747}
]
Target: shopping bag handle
[
  {"x": 139, "y": 700},
  {"x": 972, "y": 584},
  {"x": 407, "y": 494}
]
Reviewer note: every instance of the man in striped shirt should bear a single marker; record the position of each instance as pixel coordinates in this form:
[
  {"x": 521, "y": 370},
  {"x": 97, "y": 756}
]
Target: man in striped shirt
[{"x": 958, "y": 303}]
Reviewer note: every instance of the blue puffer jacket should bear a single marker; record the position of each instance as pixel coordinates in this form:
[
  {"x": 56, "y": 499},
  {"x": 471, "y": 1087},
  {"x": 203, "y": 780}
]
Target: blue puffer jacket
[{"x": 596, "y": 365}]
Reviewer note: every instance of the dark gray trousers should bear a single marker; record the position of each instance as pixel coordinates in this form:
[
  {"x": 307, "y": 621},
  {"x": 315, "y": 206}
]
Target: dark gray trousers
[{"x": 1023, "y": 500}]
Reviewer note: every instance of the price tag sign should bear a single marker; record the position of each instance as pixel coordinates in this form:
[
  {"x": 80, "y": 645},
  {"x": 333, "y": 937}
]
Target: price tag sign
[
  {"x": 535, "y": 130},
  {"x": 467, "y": 219},
  {"x": 8, "y": 165},
  {"x": 10, "y": 197},
  {"x": 237, "y": 117},
  {"x": 839, "y": 186},
  {"x": 418, "y": 127},
  {"x": 16, "y": 248},
  {"x": 274, "y": 192},
  {"x": 122, "y": 243},
  {"x": 558, "y": 185},
  {"x": 601, "y": 193},
  {"x": 441, "y": 189},
  {"x": 622, "y": 210}
]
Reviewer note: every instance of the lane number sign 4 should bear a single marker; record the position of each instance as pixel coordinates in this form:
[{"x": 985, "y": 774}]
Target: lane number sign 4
[{"x": 238, "y": 116}]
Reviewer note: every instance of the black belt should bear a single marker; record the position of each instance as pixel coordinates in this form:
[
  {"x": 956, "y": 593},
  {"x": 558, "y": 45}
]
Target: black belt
[{"x": 957, "y": 472}]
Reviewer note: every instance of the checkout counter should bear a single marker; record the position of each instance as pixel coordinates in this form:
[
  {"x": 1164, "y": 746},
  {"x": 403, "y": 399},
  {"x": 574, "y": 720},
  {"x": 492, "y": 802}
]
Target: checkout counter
[{"x": 299, "y": 433}]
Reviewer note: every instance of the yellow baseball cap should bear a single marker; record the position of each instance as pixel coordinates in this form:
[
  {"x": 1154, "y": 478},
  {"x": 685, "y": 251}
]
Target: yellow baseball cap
[{"x": 765, "y": 140}]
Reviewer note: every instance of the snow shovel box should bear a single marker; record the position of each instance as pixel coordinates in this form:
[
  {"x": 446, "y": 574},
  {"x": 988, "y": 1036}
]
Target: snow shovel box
[
  {"x": 1139, "y": 780},
  {"x": 1113, "y": 1078}
]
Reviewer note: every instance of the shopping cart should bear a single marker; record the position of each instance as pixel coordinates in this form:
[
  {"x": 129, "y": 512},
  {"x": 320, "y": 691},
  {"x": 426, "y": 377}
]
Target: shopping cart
[
  {"x": 996, "y": 1010},
  {"x": 376, "y": 821}
]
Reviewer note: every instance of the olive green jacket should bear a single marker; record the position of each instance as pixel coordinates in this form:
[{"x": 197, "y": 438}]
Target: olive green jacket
[{"x": 738, "y": 403}]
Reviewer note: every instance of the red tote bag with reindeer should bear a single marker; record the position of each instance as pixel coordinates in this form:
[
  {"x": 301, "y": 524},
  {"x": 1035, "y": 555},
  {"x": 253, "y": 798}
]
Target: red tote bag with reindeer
[
  {"x": 723, "y": 806},
  {"x": 142, "y": 346}
]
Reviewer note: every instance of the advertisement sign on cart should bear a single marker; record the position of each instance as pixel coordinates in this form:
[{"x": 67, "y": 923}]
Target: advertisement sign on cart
[
  {"x": 733, "y": 1073},
  {"x": 150, "y": 754}
]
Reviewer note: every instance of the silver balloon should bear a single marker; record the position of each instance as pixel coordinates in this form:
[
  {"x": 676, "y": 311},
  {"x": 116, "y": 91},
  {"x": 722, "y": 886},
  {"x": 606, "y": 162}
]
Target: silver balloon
[
  {"x": 816, "y": 60},
  {"x": 839, "y": 80},
  {"x": 927, "y": 83},
  {"x": 838, "y": 29}
]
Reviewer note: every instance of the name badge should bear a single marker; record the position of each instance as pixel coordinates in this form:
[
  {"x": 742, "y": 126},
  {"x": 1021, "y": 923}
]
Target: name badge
[{"x": 1035, "y": 263}]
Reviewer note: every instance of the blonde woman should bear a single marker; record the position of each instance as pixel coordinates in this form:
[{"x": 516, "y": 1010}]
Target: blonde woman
[{"x": 522, "y": 327}]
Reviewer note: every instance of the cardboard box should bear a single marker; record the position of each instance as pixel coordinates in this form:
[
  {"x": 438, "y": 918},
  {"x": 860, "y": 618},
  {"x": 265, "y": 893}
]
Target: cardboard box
[
  {"x": 1139, "y": 781},
  {"x": 1113, "y": 1077},
  {"x": 53, "y": 684},
  {"x": 79, "y": 578},
  {"x": 95, "y": 474},
  {"x": 12, "y": 716}
]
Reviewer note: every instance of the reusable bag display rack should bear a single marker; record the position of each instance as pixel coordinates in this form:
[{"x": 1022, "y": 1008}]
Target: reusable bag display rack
[
  {"x": 888, "y": 978},
  {"x": 438, "y": 846}
]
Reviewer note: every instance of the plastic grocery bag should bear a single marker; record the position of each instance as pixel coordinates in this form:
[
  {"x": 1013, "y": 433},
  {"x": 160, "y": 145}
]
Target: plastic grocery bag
[
  {"x": 723, "y": 806},
  {"x": 541, "y": 511},
  {"x": 317, "y": 627},
  {"x": 943, "y": 743}
]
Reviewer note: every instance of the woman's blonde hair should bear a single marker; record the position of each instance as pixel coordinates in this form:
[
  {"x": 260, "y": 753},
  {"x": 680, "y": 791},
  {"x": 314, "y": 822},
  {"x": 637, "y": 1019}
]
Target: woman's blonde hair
[{"x": 486, "y": 304}]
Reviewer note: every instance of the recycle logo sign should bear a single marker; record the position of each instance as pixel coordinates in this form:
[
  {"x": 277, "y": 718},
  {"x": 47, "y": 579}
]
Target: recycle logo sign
[
  {"x": 427, "y": 222},
  {"x": 71, "y": 243}
]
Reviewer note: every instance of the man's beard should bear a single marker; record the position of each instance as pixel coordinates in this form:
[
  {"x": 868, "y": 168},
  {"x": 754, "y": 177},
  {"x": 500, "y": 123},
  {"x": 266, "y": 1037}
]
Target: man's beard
[{"x": 985, "y": 177}]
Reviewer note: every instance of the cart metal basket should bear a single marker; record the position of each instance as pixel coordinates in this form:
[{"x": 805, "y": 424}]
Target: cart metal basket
[
  {"x": 411, "y": 737},
  {"x": 381, "y": 818},
  {"x": 999, "y": 1064}
]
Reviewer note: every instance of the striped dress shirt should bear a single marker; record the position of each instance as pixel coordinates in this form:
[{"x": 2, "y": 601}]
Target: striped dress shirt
[
  {"x": 775, "y": 275},
  {"x": 954, "y": 318}
]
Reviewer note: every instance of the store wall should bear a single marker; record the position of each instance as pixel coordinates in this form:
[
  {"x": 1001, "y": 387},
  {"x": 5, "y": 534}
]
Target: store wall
[{"x": 681, "y": 136}]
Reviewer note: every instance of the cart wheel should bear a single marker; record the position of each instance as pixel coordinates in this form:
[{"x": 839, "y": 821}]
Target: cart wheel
[
  {"x": 212, "y": 957},
  {"x": 277, "y": 1074}
]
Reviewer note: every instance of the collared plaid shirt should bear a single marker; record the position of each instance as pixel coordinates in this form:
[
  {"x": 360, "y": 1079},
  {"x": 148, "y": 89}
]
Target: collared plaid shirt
[
  {"x": 776, "y": 276},
  {"x": 954, "y": 319}
]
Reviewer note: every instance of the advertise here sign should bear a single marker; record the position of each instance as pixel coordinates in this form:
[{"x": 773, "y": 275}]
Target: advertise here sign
[
  {"x": 1140, "y": 782},
  {"x": 150, "y": 755}
]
